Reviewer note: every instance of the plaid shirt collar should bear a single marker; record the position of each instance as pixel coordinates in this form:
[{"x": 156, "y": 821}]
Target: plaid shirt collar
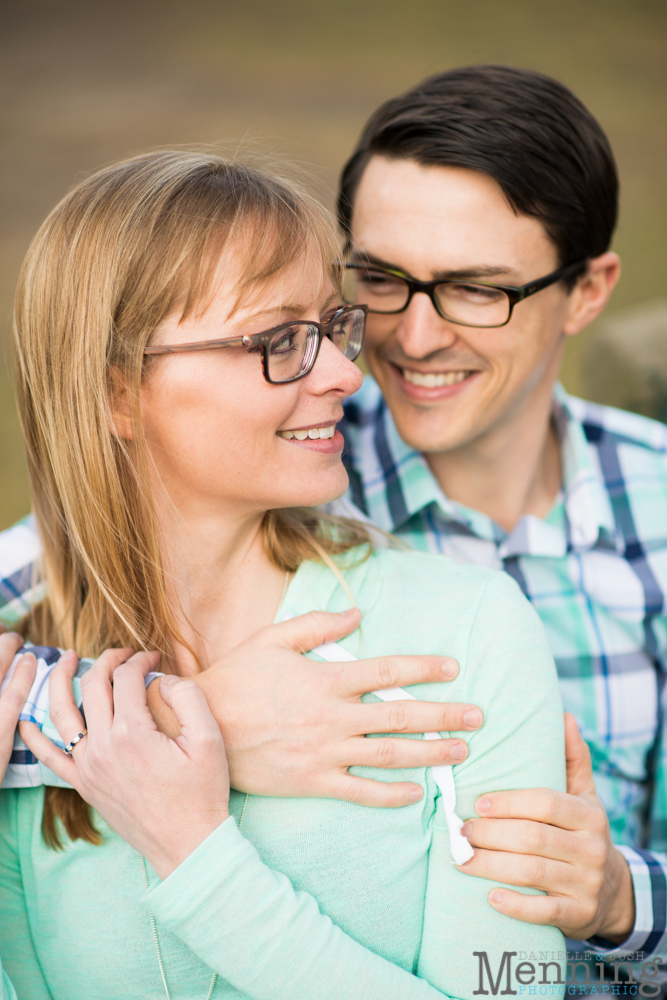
[{"x": 397, "y": 483}]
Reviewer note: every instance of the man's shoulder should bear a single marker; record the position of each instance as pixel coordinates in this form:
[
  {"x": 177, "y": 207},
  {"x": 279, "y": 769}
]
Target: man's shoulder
[
  {"x": 619, "y": 427},
  {"x": 19, "y": 547},
  {"x": 419, "y": 578}
]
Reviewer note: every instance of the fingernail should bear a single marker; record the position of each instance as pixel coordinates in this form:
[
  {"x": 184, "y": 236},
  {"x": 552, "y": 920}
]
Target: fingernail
[
  {"x": 350, "y": 613},
  {"x": 466, "y": 829},
  {"x": 459, "y": 751},
  {"x": 450, "y": 669},
  {"x": 63, "y": 656},
  {"x": 15, "y": 635},
  {"x": 416, "y": 794},
  {"x": 473, "y": 719},
  {"x": 496, "y": 896},
  {"x": 483, "y": 805},
  {"x": 169, "y": 679}
]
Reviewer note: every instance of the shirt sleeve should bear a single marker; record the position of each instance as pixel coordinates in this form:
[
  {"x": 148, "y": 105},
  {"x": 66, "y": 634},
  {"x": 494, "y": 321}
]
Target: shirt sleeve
[
  {"x": 648, "y": 939},
  {"x": 20, "y": 963},
  {"x": 248, "y": 922}
]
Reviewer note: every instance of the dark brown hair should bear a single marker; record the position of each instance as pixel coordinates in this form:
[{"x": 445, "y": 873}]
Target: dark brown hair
[{"x": 527, "y": 131}]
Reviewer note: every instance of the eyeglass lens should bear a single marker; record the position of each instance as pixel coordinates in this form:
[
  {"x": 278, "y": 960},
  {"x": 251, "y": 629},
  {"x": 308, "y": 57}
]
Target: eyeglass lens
[
  {"x": 466, "y": 303},
  {"x": 292, "y": 351}
]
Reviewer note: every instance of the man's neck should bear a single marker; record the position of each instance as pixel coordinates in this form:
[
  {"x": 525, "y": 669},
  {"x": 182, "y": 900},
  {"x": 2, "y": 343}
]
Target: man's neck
[{"x": 512, "y": 470}]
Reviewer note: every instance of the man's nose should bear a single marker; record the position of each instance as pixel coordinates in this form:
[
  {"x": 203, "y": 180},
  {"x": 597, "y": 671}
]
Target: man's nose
[{"x": 421, "y": 330}]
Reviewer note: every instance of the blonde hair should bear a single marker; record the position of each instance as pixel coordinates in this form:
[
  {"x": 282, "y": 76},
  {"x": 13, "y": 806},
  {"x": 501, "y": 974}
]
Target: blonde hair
[{"x": 126, "y": 248}]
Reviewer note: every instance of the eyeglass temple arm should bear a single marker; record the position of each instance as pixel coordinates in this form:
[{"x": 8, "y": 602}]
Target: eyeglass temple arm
[
  {"x": 549, "y": 279},
  {"x": 203, "y": 345}
]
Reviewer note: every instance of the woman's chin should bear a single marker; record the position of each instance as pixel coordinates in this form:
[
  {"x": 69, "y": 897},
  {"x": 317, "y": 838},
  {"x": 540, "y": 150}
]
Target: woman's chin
[{"x": 317, "y": 494}]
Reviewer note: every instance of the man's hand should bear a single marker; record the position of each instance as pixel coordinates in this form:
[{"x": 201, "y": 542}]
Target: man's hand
[
  {"x": 557, "y": 842},
  {"x": 292, "y": 726}
]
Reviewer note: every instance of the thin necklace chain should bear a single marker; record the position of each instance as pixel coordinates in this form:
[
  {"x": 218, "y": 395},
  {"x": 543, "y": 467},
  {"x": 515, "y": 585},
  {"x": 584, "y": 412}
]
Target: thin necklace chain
[{"x": 156, "y": 939}]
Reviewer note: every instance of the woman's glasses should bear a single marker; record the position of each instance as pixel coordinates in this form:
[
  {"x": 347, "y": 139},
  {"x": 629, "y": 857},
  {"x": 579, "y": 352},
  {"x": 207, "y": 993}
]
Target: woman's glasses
[
  {"x": 290, "y": 350},
  {"x": 467, "y": 303}
]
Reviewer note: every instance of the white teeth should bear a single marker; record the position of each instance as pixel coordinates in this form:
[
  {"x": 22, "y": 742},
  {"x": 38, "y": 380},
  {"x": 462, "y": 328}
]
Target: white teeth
[
  {"x": 433, "y": 380},
  {"x": 314, "y": 433}
]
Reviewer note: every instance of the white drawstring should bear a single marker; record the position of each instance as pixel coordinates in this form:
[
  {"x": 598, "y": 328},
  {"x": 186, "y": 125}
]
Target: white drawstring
[{"x": 442, "y": 773}]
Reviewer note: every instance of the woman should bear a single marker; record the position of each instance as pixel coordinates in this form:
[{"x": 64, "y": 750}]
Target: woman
[{"x": 180, "y": 427}]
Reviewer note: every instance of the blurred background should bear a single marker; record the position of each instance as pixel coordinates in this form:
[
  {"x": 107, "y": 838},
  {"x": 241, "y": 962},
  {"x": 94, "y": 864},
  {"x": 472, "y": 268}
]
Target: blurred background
[{"x": 85, "y": 83}]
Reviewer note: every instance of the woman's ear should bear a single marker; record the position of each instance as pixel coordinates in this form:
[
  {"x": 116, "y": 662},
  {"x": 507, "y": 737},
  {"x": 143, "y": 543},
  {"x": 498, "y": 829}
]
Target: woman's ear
[{"x": 121, "y": 402}]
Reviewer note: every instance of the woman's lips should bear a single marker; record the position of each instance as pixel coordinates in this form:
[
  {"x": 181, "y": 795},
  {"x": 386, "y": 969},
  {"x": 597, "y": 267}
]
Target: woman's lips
[{"x": 326, "y": 446}]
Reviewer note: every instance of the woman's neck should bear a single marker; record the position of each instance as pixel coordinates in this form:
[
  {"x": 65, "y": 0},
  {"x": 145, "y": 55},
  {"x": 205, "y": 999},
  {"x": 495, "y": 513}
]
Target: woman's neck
[{"x": 221, "y": 583}]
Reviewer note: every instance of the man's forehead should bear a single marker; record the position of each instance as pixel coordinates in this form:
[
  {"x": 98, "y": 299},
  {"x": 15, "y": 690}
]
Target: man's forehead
[{"x": 446, "y": 218}]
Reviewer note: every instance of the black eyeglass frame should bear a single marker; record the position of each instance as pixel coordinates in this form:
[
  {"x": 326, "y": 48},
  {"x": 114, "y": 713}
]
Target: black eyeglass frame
[
  {"x": 263, "y": 341},
  {"x": 515, "y": 293}
]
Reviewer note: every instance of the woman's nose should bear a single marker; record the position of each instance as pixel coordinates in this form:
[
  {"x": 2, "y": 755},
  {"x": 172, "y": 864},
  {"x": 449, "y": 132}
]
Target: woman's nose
[{"x": 333, "y": 372}]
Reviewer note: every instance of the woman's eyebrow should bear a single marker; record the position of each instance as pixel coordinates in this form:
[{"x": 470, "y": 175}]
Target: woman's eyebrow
[{"x": 481, "y": 271}]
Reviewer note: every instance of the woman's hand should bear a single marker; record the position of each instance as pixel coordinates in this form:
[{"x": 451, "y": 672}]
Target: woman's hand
[
  {"x": 15, "y": 694},
  {"x": 163, "y": 796}
]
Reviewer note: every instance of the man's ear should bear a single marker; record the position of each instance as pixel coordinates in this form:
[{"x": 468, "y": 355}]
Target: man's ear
[
  {"x": 122, "y": 408},
  {"x": 592, "y": 292}
]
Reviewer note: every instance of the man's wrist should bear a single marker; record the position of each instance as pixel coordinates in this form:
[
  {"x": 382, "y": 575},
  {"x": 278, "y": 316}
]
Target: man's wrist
[{"x": 619, "y": 920}]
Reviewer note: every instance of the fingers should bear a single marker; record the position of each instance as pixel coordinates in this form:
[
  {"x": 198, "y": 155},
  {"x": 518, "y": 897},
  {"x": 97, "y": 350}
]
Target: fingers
[
  {"x": 404, "y": 753},
  {"x": 48, "y": 753},
  {"x": 65, "y": 716},
  {"x": 188, "y": 702},
  {"x": 129, "y": 690},
  {"x": 551, "y": 910},
  {"x": 11, "y": 704},
  {"x": 540, "y": 804},
  {"x": 578, "y": 760},
  {"x": 380, "y": 794},
  {"x": 307, "y": 631},
  {"x": 523, "y": 837},
  {"x": 383, "y": 672},
  {"x": 96, "y": 688},
  {"x": 414, "y": 717},
  {"x": 522, "y": 869},
  {"x": 10, "y": 643}
]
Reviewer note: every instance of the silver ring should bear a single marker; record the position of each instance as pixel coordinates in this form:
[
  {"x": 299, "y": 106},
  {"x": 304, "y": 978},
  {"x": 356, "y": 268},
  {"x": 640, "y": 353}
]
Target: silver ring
[{"x": 70, "y": 746}]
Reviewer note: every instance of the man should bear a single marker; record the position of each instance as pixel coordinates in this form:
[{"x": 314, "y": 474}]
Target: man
[
  {"x": 479, "y": 208},
  {"x": 481, "y": 178}
]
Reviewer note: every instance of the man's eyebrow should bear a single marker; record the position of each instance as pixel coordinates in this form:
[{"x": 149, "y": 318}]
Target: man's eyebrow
[{"x": 480, "y": 271}]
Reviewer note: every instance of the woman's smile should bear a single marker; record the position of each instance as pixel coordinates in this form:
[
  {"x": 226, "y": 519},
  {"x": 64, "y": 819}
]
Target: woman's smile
[{"x": 324, "y": 438}]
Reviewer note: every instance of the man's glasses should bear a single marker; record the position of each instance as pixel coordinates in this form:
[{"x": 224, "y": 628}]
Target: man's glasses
[
  {"x": 468, "y": 303},
  {"x": 290, "y": 350}
]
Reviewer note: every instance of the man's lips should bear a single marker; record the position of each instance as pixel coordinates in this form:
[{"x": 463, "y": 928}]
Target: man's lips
[{"x": 432, "y": 385}]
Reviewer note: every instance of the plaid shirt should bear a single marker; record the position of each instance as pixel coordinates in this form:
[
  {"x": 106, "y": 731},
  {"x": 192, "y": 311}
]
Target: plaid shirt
[{"x": 596, "y": 571}]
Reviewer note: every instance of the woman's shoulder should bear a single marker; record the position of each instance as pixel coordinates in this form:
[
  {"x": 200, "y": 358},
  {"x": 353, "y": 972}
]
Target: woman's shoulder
[
  {"x": 416, "y": 578},
  {"x": 413, "y": 602}
]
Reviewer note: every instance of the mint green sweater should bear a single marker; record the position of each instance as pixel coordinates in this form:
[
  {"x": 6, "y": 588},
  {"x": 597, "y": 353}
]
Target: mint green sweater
[{"x": 312, "y": 898}]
